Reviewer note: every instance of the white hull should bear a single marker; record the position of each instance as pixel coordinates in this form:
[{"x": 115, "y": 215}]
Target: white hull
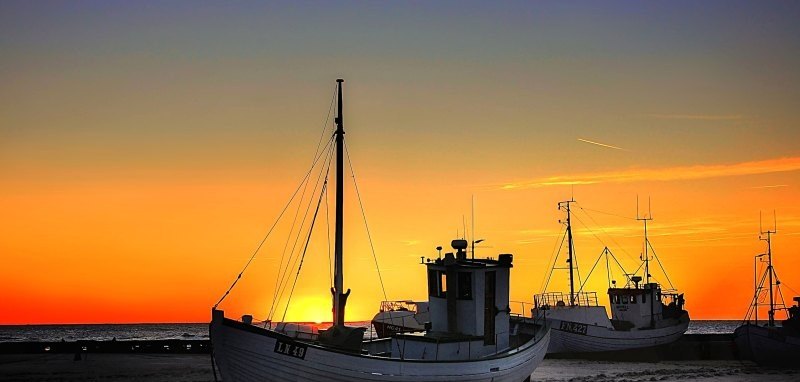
[
  {"x": 248, "y": 353},
  {"x": 600, "y": 338},
  {"x": 767, "y": 346}
]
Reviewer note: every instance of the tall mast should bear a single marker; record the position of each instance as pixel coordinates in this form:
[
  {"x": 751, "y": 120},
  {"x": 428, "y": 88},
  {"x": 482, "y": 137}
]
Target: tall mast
[
  {"x": 767, "y": 236},
  {"x": 570, "y": 248},
  {"x": 645, "y": 254},
  {"x": 646, "y": 257},
  {"x": 771, "y": 311},
  {"x": 339, "y": 297}
]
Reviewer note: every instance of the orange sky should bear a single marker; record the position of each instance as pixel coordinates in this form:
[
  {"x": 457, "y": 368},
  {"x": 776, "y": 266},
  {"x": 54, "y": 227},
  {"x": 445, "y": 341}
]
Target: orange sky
[{"x": 144, "y": 153}]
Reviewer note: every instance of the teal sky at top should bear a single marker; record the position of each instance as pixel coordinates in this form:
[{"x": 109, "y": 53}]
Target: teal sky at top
[{"x": 109, "y": 83}]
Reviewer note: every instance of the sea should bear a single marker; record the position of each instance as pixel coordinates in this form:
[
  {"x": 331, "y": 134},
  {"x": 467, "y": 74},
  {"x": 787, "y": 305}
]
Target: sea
[{"x": 199, "y": 331}]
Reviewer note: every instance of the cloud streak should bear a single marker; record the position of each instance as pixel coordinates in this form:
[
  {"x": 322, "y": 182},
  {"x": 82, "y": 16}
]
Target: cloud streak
[
  {"x": 698, "y": 117},
  {"x": 663, "y": 174},
  {"x": 601, "y": 144}
]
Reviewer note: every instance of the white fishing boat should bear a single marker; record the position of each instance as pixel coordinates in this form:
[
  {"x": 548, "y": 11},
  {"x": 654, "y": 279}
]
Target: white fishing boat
[
  {"x": 642, "y": 314},
  {"x": 769, "y": 344},
  {"x": 471, "y": 337},
  {"x": 401, "y": 316}
]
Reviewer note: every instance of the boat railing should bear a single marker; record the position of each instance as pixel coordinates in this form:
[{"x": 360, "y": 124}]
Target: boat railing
[
  {"x": 296, "y": 330},
  {"x": 560, "y": 299},
  {"x": 399, "y": 305},
  {"x": 520, "y": 308}
]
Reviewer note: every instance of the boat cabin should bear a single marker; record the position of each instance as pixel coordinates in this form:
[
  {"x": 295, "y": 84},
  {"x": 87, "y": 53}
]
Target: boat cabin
[
  {"x": 642, "y": 307},
  {"x": 468, "y": 302}
]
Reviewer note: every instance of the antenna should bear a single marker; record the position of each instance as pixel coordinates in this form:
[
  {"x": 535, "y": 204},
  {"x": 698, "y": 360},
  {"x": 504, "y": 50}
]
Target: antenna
[
  {"x": 472, "y": 208},
  {"x": 464, "y": 225},
  {"x": 767, "y": 236},
  {"x": 570, "y": 247},
  {"x": 645, "y": 256}
]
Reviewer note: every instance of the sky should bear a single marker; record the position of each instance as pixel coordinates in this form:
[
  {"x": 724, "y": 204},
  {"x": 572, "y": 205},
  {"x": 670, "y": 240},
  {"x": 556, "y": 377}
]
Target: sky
[{"x": 146, "y": 148}]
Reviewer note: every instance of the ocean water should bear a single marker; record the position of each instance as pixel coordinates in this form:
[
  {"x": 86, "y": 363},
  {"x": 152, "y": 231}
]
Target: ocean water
[{"x": 199, "y": 331}]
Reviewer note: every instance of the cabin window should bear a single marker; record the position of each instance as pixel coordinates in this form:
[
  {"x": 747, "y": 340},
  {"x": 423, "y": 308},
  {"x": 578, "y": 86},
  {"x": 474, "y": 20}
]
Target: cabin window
[
  {"x": 644, "y": 298},
  {"x": 465, "y": 285},
  {"x": 437, "y": 283},
  {"x": 624, "y": 299},
  {"x": 615, "y": 299},
  {"x": 633, "y": 299}
]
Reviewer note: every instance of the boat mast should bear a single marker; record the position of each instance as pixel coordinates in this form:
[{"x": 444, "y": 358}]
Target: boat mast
[
  {"x": 339, "y": 298},
  {"x": 570, "y": 248},
  {"x": 646, "y": 258},
  {"x": 767, "y": 238}
]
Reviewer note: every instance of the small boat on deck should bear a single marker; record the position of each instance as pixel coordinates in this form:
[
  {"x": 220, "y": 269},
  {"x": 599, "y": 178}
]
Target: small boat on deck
[
  {"x": 642, "y": 314},
  {"x": 471, "y": 336},
  {"x": 769, "y": 344},
  {"x": 401, "y": 316}
]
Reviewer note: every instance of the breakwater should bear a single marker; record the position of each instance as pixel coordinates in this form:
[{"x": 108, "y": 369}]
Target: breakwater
[{"x": 689, "y": 347}]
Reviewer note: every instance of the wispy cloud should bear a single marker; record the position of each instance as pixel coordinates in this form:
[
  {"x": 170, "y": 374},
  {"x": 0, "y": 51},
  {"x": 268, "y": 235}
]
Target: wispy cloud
[
  {"x": 772, "y": 186},
  {"x": 699, "y": 117},
  {"x": 602, "y": 144},
  {"x": 663, "y": 174}
]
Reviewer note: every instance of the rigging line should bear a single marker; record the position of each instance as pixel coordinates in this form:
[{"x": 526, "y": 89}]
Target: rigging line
[
  {"x": 328, "y": 231},
  {"x": 227, "y": 292},
  {"x": 659, "y": 264},
  {"x": 606, "y": 213},
  {"x": 592, "y": 270},
  {"x": 620, "y": 266},
  {"x": 305, "y": 248},
  {"x": 603, "y": 230},
  {"x": 608, "y": 270},
  {"x": 285, "y": 279},
  {"x": 559, "y": 246},
  {"x": 282, "y": 271},
  {"x": 316, "y": 152},
  {"x": 364, "y": 216}
]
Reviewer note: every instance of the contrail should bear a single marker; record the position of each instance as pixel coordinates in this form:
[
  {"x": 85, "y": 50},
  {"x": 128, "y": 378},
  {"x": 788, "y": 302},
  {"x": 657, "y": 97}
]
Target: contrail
[{"x": 602, "y": 144}]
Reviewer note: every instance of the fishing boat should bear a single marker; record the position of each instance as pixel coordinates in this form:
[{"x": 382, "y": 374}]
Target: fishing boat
[
  {"x": 642, "y": 314},
  {"x": 470, "y": 337},
  {"x": 401, "y": 316},
  {"x": 769, "y": 344}
]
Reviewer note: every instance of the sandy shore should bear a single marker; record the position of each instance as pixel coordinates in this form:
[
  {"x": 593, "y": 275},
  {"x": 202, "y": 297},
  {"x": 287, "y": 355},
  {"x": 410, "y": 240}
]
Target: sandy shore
[
  {"x": 197, "y": 367},
  {"x": 106, "y": 367}
]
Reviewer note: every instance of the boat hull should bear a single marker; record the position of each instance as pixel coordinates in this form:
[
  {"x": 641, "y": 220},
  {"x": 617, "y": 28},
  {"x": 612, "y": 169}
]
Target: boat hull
[
  {"x": 565, "y": 339},
  {"x": 767, "y": 346},
  {"x": 248, "y": 353}
]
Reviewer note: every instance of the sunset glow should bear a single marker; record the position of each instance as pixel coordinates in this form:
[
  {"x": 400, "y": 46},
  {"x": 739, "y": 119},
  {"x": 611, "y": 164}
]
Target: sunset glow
[{"x": 145, "y": 153}]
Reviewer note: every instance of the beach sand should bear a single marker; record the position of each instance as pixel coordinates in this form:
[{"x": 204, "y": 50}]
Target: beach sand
[
  {"x": 707, "y": 371},
  {"x": 106, "y": 367},
  {"x": 197, "y": 367}
]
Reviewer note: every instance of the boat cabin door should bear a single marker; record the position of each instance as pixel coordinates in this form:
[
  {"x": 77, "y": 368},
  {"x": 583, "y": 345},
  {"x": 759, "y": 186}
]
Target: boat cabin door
[{"x": 489, "y": 312}]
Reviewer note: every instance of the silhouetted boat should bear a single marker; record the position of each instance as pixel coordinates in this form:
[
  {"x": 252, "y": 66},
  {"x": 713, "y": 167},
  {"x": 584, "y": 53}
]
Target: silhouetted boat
[
  {"x": 401, "y": 316},
  {"x": 769, "y": 344},
  {"x": 471, "y": 337},
  {"x": 640, "y": 316}
]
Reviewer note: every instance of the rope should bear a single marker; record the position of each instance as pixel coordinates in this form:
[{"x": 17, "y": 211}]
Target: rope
[
  {"x": 602, "y": 230},
  {"x": 266, "y": 236},
  {"x": 592, "y": 270},
  {"x": 659, "y": 264},
  {"x": 364, "y": 216},
  {"x": 305, "y": 248},
  {"x": 554, "y": 259},
  {"x": 283, "y": 272},
  {"x": 317, "y": 155},
  {"x": 605, "y": 213},
  {"x": 285, "y": 279},
  {"x": 328, "y": 230}
]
